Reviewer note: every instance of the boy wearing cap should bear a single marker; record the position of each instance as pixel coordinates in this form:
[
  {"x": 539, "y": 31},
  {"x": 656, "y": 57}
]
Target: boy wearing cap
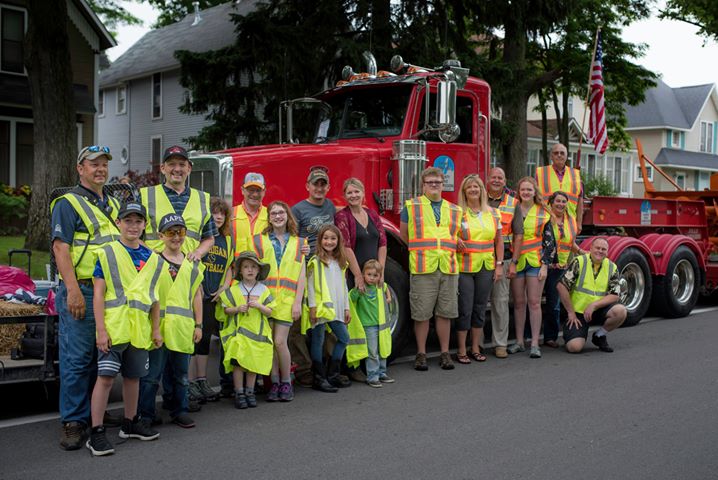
[
  {"x": 180, "y": 301},
  {"x": 120, "y": 347},
  {"x": 246, "y": 334},
  {"x": 249, "y": 218},
  {"x": 83, "y": 221},
  {"x": 175, "y": 196},
  {"x": 316, "y": 210}
]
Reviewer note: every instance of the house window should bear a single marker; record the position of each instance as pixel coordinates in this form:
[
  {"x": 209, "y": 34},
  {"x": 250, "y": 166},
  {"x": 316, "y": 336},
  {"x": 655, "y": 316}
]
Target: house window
[
  {"x": 24, "y": 153},
  {"x": 121, "y": 106},
  {"x": 676, "y": 139},
  {"x": 589, "y": 168},
  {"x": 617, "y": 171},
  {"x": 101, "y": 104},
  {"x": 156, "y": 142},
  {"x": 13, "y": 31},
  {"x": 570, "y": 107},
  {"x": 532, "y": 163},
  {"x": 706, "y": 137},
  {"x": 680, "y": 179},
  {"x": 703, "y": 180},
  {"x": 157, "y": 95},
  {"x": 638, "y": 177},
  {"x": 4, "y": 152}
]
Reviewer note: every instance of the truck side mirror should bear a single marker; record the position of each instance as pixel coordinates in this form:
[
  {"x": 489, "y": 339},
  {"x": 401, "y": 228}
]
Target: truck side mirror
[{"x": 446, "y": 109}]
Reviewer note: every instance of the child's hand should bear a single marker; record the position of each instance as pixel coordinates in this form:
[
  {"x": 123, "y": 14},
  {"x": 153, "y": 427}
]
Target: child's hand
[
  {"x": 243, "y": 308},
  {"x": 254, "y": 303},
  {"x": 388, "y": 296},
  {"x": 197, "y": 336},
  {"x": 157, "y": 339},
  {"x": 313, "y": 316},
  {"x": 215, "y": 295},
  {"x": 347, "y": 317},
  {"x": 103, "y": 342}
]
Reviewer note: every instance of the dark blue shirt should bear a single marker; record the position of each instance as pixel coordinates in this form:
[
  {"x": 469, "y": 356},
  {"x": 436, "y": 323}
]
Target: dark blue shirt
[
  {"x": 278, "y": 247},
  {"x": 216, "y": 263},
  {"x": 65, "y": 221},
  {"x": 179, "y": 203},
  {"x": 435, "y": 206},
  {"x": 138, "y": 255}
]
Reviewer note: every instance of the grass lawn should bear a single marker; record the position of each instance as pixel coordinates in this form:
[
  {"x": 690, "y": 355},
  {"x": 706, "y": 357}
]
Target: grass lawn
[{"x": 39, "y": 257}]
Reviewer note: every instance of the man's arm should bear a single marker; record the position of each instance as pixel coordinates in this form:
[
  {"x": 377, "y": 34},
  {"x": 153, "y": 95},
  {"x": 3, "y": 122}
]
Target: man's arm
[
  {"x": 404, "y": 232},
  {"x": 63, "y": 259},
  {"x": 201, "y": 250},
  {"x": 563, "y": 293}
]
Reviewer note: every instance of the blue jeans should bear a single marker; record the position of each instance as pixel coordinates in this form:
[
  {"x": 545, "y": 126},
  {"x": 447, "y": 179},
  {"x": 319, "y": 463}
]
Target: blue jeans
[
  {"x": 375, "y": 365},
  {"x": 172, "y": 368},
  {"x": 78, "y": 357},
  {"x": 552, "y": 312},
  {"x": 340, "y": 331}
]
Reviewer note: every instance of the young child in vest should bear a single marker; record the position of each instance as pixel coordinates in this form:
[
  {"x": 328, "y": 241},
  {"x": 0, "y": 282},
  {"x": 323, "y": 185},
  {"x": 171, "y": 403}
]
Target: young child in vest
[
  {"x": 328, "y": 300},
  {"x": 118, "y": 349},
  {"x": 180, "y": 298},
  {"x": 369, "y": 313},
  {"x": 246, "y": 335}
]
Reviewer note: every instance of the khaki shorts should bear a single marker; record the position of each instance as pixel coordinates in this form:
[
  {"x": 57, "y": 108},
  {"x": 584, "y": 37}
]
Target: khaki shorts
[{"x": 434, "y": 294}]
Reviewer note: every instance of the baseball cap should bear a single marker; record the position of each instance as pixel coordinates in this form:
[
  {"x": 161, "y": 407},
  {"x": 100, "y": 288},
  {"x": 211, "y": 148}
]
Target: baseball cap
[
  {"x": 175, "y": 151},
  {"x": 253, "y": 179},
  {"x": 92, "y": 152},
  {"x": 171, "y": 220},
  {"x": 317, "y": 173},
  {"x": 132, "y": 207}
]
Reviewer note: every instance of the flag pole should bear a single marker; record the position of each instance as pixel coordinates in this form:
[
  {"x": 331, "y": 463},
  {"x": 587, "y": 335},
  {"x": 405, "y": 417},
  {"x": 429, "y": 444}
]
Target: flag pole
[{"x": 588, "y": 95}]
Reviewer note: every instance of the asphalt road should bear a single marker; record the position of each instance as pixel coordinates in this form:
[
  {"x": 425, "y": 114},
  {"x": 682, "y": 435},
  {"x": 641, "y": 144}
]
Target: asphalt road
[{"x": 647, "y": 411}]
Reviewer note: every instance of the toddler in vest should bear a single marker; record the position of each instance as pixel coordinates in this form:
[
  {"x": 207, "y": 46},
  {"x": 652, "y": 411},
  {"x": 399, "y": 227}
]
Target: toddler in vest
[
  {"x": 119, "y": 350},
  {"x": 180, "y": 303},
  {"x": 328, "y": 300},
  {"x": 246, "y": 334},
  {"x": 369, "y": 313}
]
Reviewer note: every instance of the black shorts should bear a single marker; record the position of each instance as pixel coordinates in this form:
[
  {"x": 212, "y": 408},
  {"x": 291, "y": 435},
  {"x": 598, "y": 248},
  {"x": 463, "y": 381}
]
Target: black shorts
[
  {"x": 598, "y": 318},
  {"x": 210, "y": 326}
]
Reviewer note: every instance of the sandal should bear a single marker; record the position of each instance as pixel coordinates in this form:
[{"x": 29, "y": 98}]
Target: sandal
[
  {"x": 478, "y": 356},
  {"x": 463, "y": 359}
]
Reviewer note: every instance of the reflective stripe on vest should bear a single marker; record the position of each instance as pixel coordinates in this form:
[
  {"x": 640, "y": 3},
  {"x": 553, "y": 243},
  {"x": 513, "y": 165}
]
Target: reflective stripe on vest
[
  {"x": 588, "y": 288},
  {"x": 534, "y": 222},
  {"x": 283, "y": 278},
  {"x": 506, "y": 208},
  {"x": 432, "y": 246},
  {"x": 178, "y": 322},
  {"x": 357, "y": 347},
  {"x": 570, "y": 184},
  {"x": 564, "y": 243},
  {"x": 118, "y": 269},
  {"x": 243, "y": 230},
  {"x": 478, "y": 233},
  {"x": 158, "y": 205}
]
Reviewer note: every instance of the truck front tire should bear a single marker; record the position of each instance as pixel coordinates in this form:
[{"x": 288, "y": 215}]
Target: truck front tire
[{"x": 398, "y": 281}]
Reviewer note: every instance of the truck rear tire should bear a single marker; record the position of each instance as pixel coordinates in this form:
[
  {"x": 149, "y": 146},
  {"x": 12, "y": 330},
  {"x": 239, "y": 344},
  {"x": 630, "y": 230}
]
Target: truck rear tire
[
  {"x": 400, "y": 322},
  {"x": 636, "y": 283},
  {"x": 677, "y": 290}
]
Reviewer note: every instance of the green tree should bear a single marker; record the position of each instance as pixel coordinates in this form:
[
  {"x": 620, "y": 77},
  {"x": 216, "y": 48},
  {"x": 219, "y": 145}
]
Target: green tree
[
  {"x": 113, "y": 14},
  {"x": 172, "y": 11},
  {"x": 701, "y": 13}
]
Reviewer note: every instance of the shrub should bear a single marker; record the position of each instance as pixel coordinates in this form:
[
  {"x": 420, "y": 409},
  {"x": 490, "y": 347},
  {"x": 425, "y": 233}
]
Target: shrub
[
  {"x": 14, "y": 204},
  {"x": 599, "y": 185}
]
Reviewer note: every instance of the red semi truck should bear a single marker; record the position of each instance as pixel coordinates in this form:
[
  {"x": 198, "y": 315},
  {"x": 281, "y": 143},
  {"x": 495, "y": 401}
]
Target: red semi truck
[{"x": 384, "y": 128}]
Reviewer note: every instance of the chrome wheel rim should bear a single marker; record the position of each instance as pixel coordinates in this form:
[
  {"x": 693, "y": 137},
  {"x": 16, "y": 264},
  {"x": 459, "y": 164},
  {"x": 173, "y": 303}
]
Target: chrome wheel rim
[
  {"x": 633, "y": 286},
  {"x": 683, "y": 281}
]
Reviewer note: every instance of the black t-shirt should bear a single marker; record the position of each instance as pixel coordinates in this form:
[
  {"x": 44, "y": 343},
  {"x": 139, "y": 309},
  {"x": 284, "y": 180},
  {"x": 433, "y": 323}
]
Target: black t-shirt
[
  {"x": 367, "y": 243},
  {"x": 174, "y": 267}
]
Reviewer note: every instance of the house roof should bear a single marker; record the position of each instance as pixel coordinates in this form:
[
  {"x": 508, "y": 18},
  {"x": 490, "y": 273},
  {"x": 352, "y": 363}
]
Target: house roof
[
  {"x": 684, "y": 158},
  {"x": 154, "y": 52},
  {"x": 666, "y": 107},
  {"x": 105, "y": 37}
]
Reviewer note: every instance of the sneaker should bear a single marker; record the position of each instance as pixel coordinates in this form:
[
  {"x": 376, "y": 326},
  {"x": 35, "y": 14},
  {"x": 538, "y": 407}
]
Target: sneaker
[
  {"x": 194, "y": 405},
  {"x": 273, "y": 395},
  {"x": 445, "y": 361},
  {"x": 500, "y": 352},
  {"x": 384, "y": 378},
  {"x": 516, "y": 348},
  {"x": 374, "y": 383},
  {"x": 195, "y": 394},
  {"x": 183, "y": 421},
  {"x": 601, "y": 342},
  {"x": 286, "y": 392},
  {"x": 251, "y": 400},
  {"x": 535, "y": 352},
  {"x": 73, "y": 435},
  {"x": 240, "y": 401},
  {"x": 98, "y": 443},
  {"x": 109, "y": 420},
  {"x": 138, "y": 428},
  {"x": 356, "y": 375},
  {"x": 420, "y": 362},
  {"x": 207, "y": 392}
]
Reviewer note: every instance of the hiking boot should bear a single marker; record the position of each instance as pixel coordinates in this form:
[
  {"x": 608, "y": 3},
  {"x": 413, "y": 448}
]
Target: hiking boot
[
  {"x": 374, "y": 383},
  {"x": 98, "y": 443},
  {"x": 420, "y": 362},
  {"x": 273, "y": 395},
  {"x": 535, "y": 352},
  {"x": 356, "y": 375},
  {"x": 183, "y": 421},
  {"x": 601, "y": 342},
  {"x": 445, "y": 361},
  {"x": 109, "y": 420},
  {"x": 305, "y": 379},
  {"x": 240, "y": 401},
  {"x": 500, "y": 352},
  {"x": 138, "y": 428},
  {"x": 286, "y": 392},
  {"x": 195, "y": 394},
  {"x": 207, "y": 392},
  {"x": 73, "y": 435},
  {"x": 319, "y": 381},
  {"x": 516, "y": 348},
  {"x": 251, "y": 400},
  {"x": 384, "y": 378},
  {"x": 334, "y": 378}
]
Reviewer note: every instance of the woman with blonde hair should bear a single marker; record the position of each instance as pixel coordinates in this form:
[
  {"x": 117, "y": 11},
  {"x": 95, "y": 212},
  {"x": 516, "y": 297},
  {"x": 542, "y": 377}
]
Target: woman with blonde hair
[
  {"x": 481, "y": 248},
  {"x": 530, "y": 262}
]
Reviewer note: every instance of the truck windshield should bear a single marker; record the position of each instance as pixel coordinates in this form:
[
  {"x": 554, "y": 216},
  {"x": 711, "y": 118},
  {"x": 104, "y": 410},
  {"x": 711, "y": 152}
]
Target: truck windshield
[{"x": 364, "y": 112}]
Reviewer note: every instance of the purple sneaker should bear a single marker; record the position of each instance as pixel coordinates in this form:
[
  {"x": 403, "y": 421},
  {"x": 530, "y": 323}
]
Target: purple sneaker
[
  {"x": 273, "y": 395},
  {"x": 286, "y": 392}
]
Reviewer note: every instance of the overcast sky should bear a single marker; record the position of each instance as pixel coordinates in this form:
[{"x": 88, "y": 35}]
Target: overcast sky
[{"x": 675, "y": 51}]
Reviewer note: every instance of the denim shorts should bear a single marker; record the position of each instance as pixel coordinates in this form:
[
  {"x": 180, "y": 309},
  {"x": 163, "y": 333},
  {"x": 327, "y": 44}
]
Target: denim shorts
[
  {"x": 529, "y": 271},
  {"x": 132, "y": 362}
]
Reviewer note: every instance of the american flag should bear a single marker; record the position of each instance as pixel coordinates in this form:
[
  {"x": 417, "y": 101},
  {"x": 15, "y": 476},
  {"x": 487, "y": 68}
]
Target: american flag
[{"x": 597, "y": 124}]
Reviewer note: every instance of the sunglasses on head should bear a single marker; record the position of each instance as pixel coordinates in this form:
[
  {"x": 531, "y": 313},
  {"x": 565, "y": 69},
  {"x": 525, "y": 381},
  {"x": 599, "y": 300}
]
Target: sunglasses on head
[
  {"x": 181, "y": 232},
  {"x": 98, "y": 148}
]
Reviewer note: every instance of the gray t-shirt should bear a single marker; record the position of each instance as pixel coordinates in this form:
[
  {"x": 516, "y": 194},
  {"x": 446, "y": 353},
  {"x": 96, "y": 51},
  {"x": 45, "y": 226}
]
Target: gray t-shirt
[{"x": 311, "y": 217}]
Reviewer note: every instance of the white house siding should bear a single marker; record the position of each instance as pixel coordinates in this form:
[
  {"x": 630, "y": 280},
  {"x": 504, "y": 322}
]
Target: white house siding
[
  {"x": 693, "y": 137},
  {"x": 113, "y": 131}
]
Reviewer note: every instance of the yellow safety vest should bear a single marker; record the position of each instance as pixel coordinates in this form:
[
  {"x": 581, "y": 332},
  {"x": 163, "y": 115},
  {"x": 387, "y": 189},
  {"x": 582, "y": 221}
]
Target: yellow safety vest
[
  {"x": 101, "y": 230},
  {"x": 324, "y": 302},
  {"x": 282, "y": 279},
  {"x": 246, "y": 337},
  {"x": 564, "y": 243},
  {"x": 478, "y": 233},
  {"x": 141, "y": 294},
  {"x": 570, "y": 184},
  {"x": 178, "y": 321},
  {"x": 506, "y": 208},
  {"x": 196, "y": 214},
  {"x": 534, "y": 222},
  {"x": 357, "y": 348},
  {"x": 432, "y": 246},
  {"x": 588, "y": 288},
  {"x": 243, "y": 230}
]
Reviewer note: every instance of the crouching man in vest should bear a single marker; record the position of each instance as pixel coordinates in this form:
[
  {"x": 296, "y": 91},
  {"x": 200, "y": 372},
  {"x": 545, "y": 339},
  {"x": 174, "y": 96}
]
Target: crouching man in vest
[
  {"x": 589, "y": 292},
  {"x": 120, "y": 347}
]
